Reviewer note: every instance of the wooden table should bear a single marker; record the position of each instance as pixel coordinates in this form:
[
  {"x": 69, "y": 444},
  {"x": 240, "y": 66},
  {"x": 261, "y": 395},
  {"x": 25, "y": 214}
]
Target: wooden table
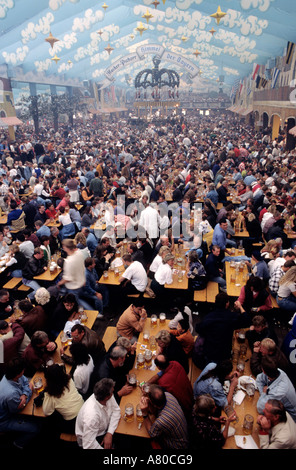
[
  {"x": 248, "y": 405},
  {"x": 53, "y": 223},
  {"x": 291, "y": 235},
  {"x": 48, "y": 275},
  {"x": 234, "y": 288},
  {"x": 112, "y": 279},
  {"x": 143, "y": 375},
  {"x": 177, "y": 283},
  {"x": 30, "y": 409}
]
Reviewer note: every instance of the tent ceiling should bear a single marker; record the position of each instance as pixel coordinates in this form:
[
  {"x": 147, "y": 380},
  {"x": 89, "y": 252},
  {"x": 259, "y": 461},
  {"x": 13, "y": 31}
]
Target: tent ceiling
[{"x": 251, "y": 31}]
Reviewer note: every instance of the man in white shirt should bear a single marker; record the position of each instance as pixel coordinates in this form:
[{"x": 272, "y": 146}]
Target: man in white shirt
[
  {"x": 136, "y": 274},
  {"x": 74, "y": 270},
  {"x": 98, "y": 418},
  {"x": 150, "y": 221}
]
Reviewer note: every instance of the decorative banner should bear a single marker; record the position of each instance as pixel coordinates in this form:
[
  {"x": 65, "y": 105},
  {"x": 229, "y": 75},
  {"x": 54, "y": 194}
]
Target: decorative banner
[{"x": 139, "y": 54}]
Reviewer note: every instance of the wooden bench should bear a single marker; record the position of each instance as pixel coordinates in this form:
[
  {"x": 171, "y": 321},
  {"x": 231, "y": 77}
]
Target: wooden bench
[
  {"x": 208, "y": 294},
  {"x": 136, "y": 296},
  {"x": 24, "y": 288},
  {"x": 110, "y": 336},
  {"x": 68, "y": 437},
  {"x": 12, "y": 283},
  {"x": 200, "y": 295},
  {"x": 212, "y": 291}
]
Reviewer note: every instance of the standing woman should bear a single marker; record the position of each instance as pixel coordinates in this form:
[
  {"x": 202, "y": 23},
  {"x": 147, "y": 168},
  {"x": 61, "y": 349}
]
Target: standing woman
[{"x": 62, "y": 401}]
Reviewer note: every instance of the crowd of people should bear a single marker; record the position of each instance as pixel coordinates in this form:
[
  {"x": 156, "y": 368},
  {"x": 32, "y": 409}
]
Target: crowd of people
[{"x": 154, "y": 190}]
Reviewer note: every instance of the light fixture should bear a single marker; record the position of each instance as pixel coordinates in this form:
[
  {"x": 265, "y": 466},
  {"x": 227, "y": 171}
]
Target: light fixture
[
  {"x": 109, "y": 49},
  {"x": 155, "y": 3},
  {"x": 51, "y": 40},
  {"x": 196, "y": 53},
  {"x": 141, "y": 28},
  {"x": 218, "y": 15},
  {"x": 100, "y": 32},
  {"x": 56, "y": 59},
  {"x": 147, "y": 16},
  {"x": 184, "y": 38},
  {"x": 104, "y": 7},
  {"x": 212, "y": 31}
]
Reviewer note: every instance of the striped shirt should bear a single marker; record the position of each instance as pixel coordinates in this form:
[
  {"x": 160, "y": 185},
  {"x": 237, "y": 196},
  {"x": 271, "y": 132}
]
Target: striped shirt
[{"x": 170, "y": 426}]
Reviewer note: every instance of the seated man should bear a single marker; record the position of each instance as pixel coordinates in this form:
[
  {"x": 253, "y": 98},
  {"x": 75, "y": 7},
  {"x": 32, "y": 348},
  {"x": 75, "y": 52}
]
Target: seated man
[
  {"x": 173, "y": 379},
  {"x": 92, "y": 429},
  {"x": 6, "y": 304},
  {"x": 35, "y": 266},
  {"x": 273, "y": 383},
  {"x": 134, "y": 279},
  {"x": 220, "y": 235},
  {"x": 112, "y": 367},
  {"x": 169, "y": 429},
  {"x": 132, "y": 321},
  {"x": 38, "y": 353},
  {"x": 213, "y": 267},
  {"x": 15, "y": 392},
  {"x": 95, "y": 346},
  {"x": 277, "y": 430},
  {"x": 267, "y": 348},
  {"x": 259, "y": 330},
  {"x": 16, "y": 218},
  {"x": 41, "y": 229}
]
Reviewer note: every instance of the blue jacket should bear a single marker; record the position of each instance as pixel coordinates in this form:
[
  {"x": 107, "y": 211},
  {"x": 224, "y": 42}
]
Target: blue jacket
[
  {"x": 211, "y": 385},
  {"x": 219, "y": 237},
  {"x": 281, "y": 389},
  {"x": 213, "y": 196},
  {"x": 90, "y": 286},
  {"x": 10, "y": 393}
]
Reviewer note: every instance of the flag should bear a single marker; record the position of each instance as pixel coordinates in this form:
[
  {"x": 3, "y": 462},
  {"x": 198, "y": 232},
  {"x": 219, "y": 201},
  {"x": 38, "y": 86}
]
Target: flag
[
  {"x": 290, "y": 51},
  {"x": 263, "y": 82},
  {"x": 234, "y": 88},
  {"x": 268, "y": 74},
  {"x": 256, "y": 68},
  {"x": 258, "y": 81},
  {"x": 275, "y": 77}
]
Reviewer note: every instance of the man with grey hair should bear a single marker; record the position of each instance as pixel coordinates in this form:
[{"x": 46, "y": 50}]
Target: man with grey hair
[
  {"x": 277, "y": 429},
  {"x": 98, "y": 418},
  {"x": 112, "y": 367}
]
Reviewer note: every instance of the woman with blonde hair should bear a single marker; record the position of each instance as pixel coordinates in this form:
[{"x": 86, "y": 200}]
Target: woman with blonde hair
[
  {"x": 164, "y": 250},
  {"x": 80, "y": 240},
  {"x": 286, "y": 296}
]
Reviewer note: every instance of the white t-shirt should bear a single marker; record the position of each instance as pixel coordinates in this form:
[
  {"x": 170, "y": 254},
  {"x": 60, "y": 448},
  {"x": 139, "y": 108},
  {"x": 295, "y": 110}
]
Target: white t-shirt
[
  {"x": 164, "y": 274},
  {"x": 286, "y": 289},
  {"x": 65, "y": 219},
  {"x": 137, "y": 275},
  {"x": 74, "y": 270},
  {"x": 275, "y": 263},
  {"x": 150, "y": 220},
  {"x": 155, "y": 263}
]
